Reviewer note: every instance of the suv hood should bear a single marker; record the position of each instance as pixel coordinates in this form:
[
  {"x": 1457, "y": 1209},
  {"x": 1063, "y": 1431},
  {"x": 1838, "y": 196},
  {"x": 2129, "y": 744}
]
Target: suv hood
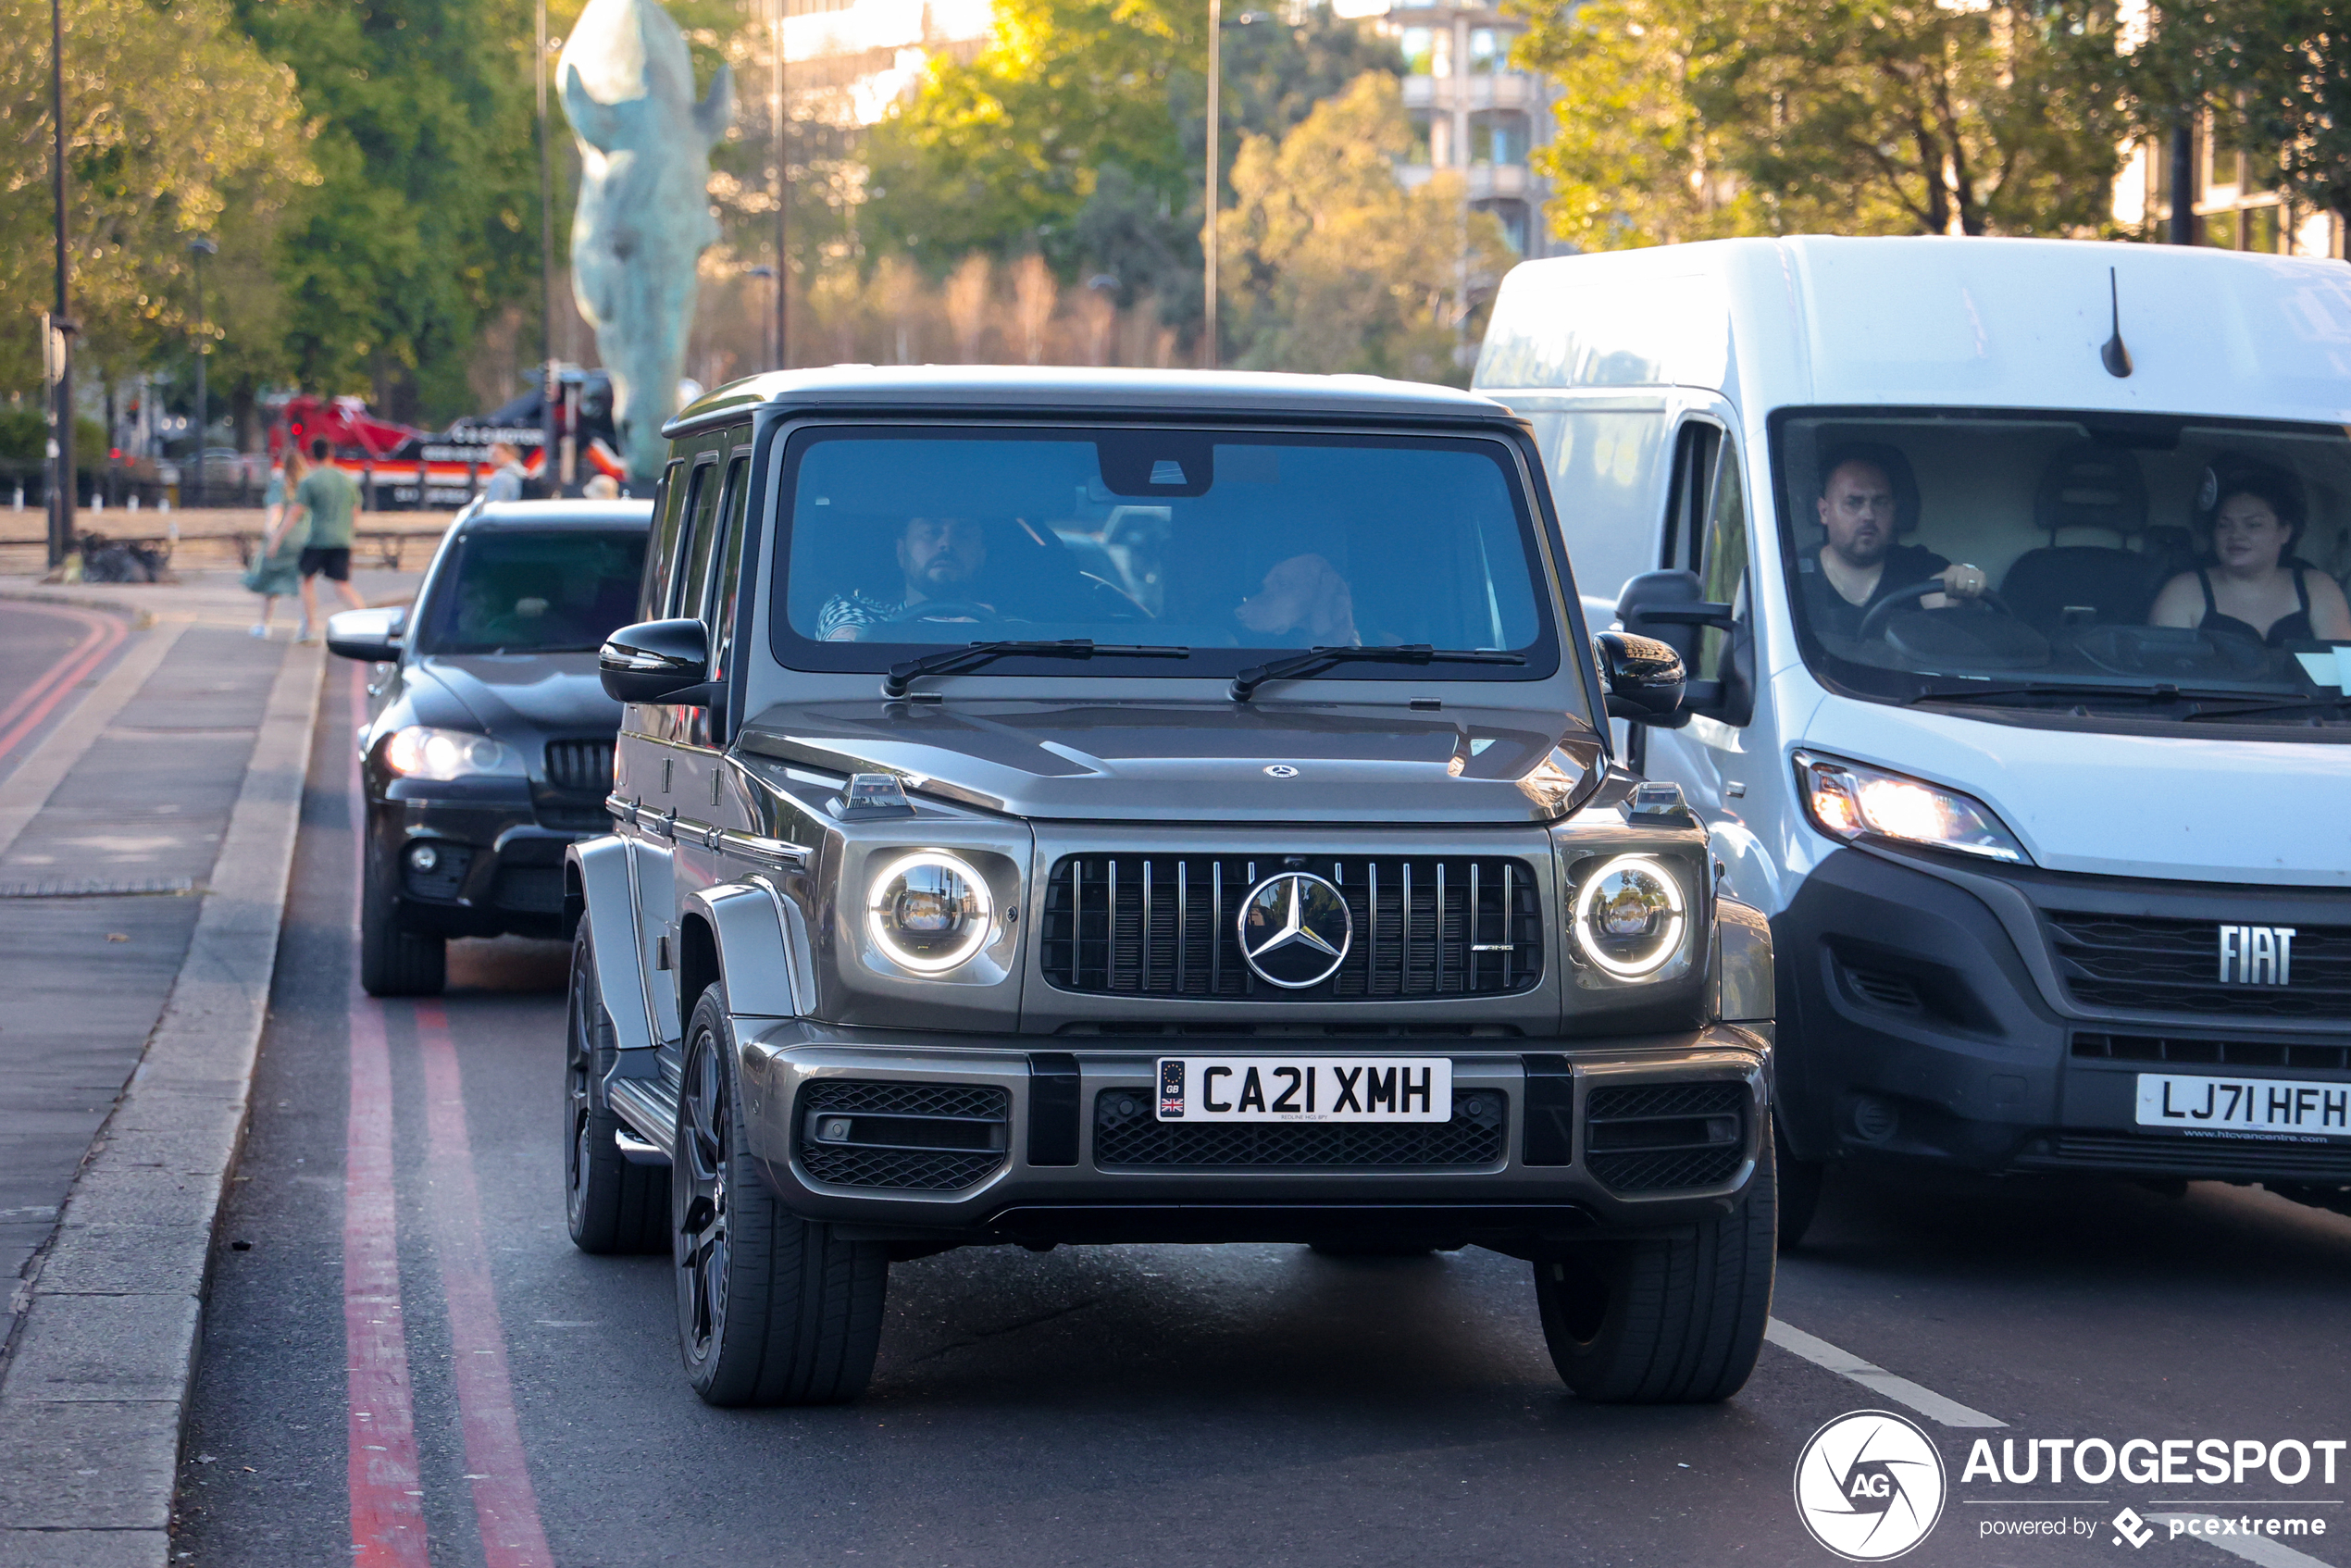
[
  {"x": 552, "y": 694},
  {"x": 1202, "y": 761}
]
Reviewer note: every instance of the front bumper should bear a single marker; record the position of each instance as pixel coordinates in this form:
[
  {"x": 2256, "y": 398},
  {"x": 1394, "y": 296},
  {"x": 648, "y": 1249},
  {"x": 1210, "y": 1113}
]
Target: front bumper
[
  {"x": 500, "y": 854},
  {"x": 1051, "y": 1172},
  {"x": 1927, "y": 1013}
]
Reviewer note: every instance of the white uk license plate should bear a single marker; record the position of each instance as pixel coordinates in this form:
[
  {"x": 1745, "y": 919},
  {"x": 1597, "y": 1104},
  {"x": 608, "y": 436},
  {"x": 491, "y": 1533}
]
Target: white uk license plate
[
  {"x": 1305, "y": 1088},
  {"x": 2277, "y": 1106}
]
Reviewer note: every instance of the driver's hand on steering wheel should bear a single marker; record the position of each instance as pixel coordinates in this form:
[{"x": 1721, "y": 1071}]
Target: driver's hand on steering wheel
[{"x": 1960, "y": 581}]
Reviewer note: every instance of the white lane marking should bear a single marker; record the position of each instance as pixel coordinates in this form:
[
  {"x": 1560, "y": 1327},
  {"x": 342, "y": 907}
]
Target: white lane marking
[
  {"x": 1926, "y": 1401},
  {"x": 2253, "y": 1548}
]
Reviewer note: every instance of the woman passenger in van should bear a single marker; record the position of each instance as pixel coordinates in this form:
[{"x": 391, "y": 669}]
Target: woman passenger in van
[{"x": 2256, "y": 587}]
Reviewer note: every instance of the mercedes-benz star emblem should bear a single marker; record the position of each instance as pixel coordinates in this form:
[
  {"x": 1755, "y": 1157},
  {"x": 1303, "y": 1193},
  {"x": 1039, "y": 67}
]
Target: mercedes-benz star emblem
[
  {"x": 1295, "y": 929},
  {"x": 1280, "y": 770}
]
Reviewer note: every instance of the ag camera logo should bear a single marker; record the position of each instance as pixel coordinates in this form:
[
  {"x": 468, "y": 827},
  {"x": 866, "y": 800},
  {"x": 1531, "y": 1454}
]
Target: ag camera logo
[{"x": 1870, "y": 1485}]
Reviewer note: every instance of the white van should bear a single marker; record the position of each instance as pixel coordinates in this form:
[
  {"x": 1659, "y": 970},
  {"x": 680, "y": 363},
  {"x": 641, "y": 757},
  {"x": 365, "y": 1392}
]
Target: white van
[{"x": 2054, "y": 888}]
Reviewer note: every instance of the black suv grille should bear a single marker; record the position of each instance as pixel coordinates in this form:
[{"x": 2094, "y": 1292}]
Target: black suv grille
[
  {"x": 1128, "y": 1133},
  {"x": 2174, "y": 967},
  {"x": 1165, "y": 925},
  {"x": 1655, "y": 1138},
  {"x": 908, "y": 1137},
  {"x": 580, "y": 768}
]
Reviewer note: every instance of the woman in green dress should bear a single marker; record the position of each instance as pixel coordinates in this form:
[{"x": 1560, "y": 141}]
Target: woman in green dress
[{"x": 276, "y": 569}]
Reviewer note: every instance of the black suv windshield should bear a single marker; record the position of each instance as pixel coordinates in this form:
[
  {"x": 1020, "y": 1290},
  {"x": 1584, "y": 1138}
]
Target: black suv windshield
[
  {"x": 2095, "y": 565},
  {"x": 535, "y": 591},
  {"x": 1233, "y": 545}
]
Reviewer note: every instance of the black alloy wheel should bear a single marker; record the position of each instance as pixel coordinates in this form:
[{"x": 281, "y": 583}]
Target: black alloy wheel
[
  {"x": 772, "y": 1309},
  {"x": 611, "y": 1203}
]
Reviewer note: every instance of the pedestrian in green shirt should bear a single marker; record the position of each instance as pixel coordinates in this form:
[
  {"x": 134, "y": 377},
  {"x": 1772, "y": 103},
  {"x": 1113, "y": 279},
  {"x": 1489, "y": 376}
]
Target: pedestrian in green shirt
[{"x": 327, "y": 498}]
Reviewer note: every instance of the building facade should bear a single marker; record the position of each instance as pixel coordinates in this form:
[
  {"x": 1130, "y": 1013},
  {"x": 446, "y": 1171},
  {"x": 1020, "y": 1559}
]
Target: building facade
[{"x": 1471, "y": 112}]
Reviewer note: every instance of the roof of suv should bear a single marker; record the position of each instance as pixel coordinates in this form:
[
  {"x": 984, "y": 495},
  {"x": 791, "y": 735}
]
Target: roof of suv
[
  {"x": 570, "y": 513},
  {"x": 998, "y": 388}
]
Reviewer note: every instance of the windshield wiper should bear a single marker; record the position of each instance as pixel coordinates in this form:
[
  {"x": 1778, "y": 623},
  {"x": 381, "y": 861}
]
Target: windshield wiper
[
  {"x": 1316, "y": 660},
  {"x": 2283, "y": 704},
  {"x": 973, "y": 655},
  {"x": 2158, "y": 693}
]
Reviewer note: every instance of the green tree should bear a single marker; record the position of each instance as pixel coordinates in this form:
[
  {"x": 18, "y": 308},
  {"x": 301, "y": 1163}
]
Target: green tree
[
  {"x": 426, "y": 217},
  {"x": 152, "y": 165},
  {"x": 2273, "y": 75},
  {"x": 1331, "y": 265},
  {"x": 1854, "y": 116}
]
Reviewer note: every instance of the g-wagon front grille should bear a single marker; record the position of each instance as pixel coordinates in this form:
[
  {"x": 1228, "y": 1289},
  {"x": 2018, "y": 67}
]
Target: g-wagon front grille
[
  {"x": 580, "y": 768},
  {"x": 1129, "y": 1135},
  {"x": 1166, "y": 926}
]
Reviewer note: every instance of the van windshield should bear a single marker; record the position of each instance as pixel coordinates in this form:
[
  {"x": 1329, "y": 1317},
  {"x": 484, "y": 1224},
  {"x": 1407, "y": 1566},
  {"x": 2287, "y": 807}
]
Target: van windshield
[
  {"x": 2077, "y": 563},
  {"x": 1228, "y": 543}
]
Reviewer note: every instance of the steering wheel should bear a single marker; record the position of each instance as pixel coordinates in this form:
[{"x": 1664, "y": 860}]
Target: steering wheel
[
  {"x": 1874, "y": 624},
  {"x": 943, "y": 610}
]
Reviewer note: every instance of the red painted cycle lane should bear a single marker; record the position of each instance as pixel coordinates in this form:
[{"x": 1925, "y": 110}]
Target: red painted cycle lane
[
  {"x": 504, "y": 1502},
  {"x": 387, "y": 1501},
  {"x": 102, "y": 635}
]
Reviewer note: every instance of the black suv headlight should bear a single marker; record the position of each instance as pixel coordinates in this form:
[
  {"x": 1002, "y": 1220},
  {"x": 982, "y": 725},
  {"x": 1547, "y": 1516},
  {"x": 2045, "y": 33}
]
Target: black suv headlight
[{"x": 419, "y": 751}]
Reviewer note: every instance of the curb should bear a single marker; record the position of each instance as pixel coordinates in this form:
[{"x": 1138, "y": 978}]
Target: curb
[
  {"x": 141, "y": 615},
  {"x": 95, "y": 1390}
]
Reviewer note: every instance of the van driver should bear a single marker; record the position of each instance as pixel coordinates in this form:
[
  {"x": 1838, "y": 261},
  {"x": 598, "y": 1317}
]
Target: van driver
[{"x": 1860, "y": 564}]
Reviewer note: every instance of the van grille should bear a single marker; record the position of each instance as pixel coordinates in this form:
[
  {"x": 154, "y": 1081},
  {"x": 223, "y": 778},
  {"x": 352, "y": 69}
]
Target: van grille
[
  {"x": 2212, "y": 1052},
  {"x": 2173, "y": 966},
  {"x": 1165, "y": 925},
  {"x": 580, "y": 768}
]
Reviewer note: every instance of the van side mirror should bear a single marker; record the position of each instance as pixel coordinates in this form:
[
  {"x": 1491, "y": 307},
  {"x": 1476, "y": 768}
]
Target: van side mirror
[
  {"x": 1670, "y": 607},
  {"x": 1645, "y": 681},
  {"x": 374, "y": 636},
  {"x": 658, "y": 662}
]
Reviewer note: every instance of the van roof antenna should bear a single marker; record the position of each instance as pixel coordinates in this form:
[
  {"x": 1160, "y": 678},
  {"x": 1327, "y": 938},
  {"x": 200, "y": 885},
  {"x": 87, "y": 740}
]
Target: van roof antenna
[{"x": 2114, "y": 357}]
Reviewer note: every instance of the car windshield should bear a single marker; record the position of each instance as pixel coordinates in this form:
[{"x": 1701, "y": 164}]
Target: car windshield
[
  {"x": 540, "y": 590},
  {"x": 2082, "y": 562},
  {"x": 1228, "y": 543}
]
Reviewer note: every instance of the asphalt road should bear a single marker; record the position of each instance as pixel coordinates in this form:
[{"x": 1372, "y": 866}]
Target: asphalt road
[
  {"x": 1142, "y": 1404},
  {"x": 49, "y": 655}
]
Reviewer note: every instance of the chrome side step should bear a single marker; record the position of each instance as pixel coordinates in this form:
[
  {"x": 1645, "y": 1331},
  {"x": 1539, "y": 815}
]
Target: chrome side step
[{"x": 648, "y": 1109}]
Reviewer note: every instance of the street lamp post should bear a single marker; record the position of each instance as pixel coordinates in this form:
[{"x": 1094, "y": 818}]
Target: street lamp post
[
  {"x": 201, "y": 247},
  {"x": 550, "y": 382},
  {"x": 1215, "y": 109},
  {"x": 61, "y": 477},
  {"x": 782, "y": 330},
  {"x": 775, "y": 317}
]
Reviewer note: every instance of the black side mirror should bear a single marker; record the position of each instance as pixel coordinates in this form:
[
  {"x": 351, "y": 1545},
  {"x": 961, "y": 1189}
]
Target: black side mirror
[
  {"x": 374, "y": 636},
  {"x": 1644, "y": 679},
  {"x": 1668, "y": 608},
  {"x": 658, "y": 662}
]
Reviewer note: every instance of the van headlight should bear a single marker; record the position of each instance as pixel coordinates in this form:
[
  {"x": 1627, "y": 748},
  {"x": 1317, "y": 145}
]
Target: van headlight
[
  {"x": 929, "y": 912},
  {"x": 419, "y": 751},
  {"x": 1846, "y": 800},
  {"x": 1631, "y": 917}
]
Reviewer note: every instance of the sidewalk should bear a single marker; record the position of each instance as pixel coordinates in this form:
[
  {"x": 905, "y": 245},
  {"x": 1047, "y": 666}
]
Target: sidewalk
[{"x": 144, "y": 852}]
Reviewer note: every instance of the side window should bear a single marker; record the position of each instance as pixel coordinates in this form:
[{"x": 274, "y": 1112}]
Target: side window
[
  {"x": 1695, "y": 452},
  {"x": 692, "y": 571},
  {"x": 661, "y": 551},
  {"x": 1721, "y": 565},
  {"x": 730, "y": 555}
]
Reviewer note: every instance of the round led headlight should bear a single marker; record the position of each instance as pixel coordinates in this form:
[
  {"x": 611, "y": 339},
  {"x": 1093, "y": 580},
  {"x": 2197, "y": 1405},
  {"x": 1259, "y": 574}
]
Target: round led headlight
[
  {"x": 928, "y": 912},
  {"x": 1630, "y": 917}
]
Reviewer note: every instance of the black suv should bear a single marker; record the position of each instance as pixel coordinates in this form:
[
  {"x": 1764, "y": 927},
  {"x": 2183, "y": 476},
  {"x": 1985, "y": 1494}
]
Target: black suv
[
  {"x": 1066, "y": 807},
  {"x": 488, "y": 750}
]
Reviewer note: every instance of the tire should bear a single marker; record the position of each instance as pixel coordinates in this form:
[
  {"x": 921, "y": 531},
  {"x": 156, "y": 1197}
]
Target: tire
[
  {"x": 611, "y": 1203},
  {"x": 1670, "y": 1319},
  {"x": 1799, "y": 1194},
  {"x": 394, "y": 960},
  {"x": 772, "y": 1309}
]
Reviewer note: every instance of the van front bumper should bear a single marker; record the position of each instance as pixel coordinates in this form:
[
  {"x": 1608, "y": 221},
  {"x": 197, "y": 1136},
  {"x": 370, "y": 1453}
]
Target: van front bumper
[
  {"x": 1980, "y": 1017},
  {"x": 922, "y": 1136}
]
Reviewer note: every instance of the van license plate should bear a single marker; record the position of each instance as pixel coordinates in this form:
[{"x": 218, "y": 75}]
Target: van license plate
[
  {"x": 2241, "y": 1105},
  {"x": 1305, "y": 1088}
]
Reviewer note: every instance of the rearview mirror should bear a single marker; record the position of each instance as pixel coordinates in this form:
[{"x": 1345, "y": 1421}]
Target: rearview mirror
[
  {"x": 657, "y": 661},
  {"x": 1645, "y": 681},
  {"x": 374, "y": 636}
]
